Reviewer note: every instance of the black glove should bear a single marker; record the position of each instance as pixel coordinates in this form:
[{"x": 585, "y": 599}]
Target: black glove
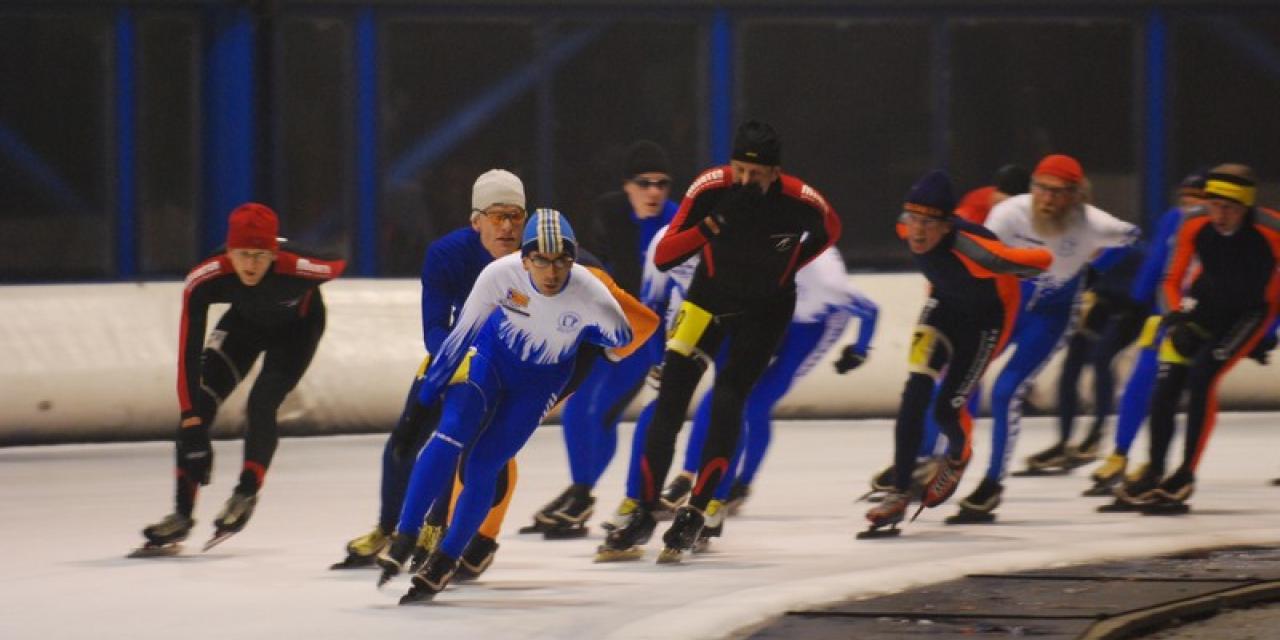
[
  {"x": 739, "y": 198},
  {"x": 195, "y": 453},
  {"x": 416, "y": 421},
  {"x": 850, "y": 359},
  {"x": 1186, "y": 336},
  {"x": 1260, "y": 350}
]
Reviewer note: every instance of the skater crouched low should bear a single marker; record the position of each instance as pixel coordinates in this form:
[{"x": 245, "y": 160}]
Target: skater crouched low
[
  {"x": 973, "y": 302},
  {"x": 276, "y": 311}
]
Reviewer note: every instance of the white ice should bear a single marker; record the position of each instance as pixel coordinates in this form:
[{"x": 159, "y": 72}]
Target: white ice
[{"x": 71, "y": 513}]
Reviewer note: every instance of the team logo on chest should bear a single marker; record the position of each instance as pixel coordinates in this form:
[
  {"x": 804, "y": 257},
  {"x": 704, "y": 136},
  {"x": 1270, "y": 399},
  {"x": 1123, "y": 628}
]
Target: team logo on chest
[
  {"x": 516, "y": 302},
  {"x": 569, "y": 321},
  {"x": 783, "y": 242}
]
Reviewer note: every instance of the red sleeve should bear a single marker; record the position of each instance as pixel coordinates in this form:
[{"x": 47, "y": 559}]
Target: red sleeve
[
  {"x": 293, "y": 264},
  {"x": 684, "y": 236},
  {"x": 1184, "y": 249},
  {"x": 195, "y": 311},
  {"x": 976, "y": 204},
  {"x": 822, "y": 235}
]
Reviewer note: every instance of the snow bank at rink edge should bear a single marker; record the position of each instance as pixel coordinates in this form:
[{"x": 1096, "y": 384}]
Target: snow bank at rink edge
[{"x": 98, "y": 362}]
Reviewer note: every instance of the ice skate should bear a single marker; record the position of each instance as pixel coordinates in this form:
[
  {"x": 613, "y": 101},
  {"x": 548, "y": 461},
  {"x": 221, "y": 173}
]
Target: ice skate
[
  {"x": 362, "y": 550},
  {"x": 1137, "y": 489},
  {"x": 164, "y": 537},
  {"x": 1107, "y": 475},
  {"x": 979, "y": 506},
  {"x": 394, "y": 556},
  {"x": 738, "y": 494},
  {"x": 942, "y": 484},
  {"x": 633, "y": 526},
  {"x": 676, "y": 493},
  {"x": 1084, "y": 453},
  {"x": 1169, "y": 498},
  {"x": 431, "y": 579},
  {"x": 570, "y": 519},
  {"x": 544, "y": 519},
  {"x": 881, "y": 483},
  {"x": 1051, "y": 461},
  {"x": 476, "y": 557},
  {"x": 716, "y": 512},
  {"x": 231, "y": 520},
  {"x": 428, "y": 539},
  {"x": 889, "y": 513},
  {"x": 682, "y": 534}
]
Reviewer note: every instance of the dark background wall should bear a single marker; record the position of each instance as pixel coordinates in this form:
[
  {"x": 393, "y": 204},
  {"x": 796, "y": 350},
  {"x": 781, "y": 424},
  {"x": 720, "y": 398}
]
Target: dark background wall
[{"x": 129, "y": 129}]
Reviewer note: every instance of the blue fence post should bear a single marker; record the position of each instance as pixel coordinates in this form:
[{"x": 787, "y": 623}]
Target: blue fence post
[
  {"x": 228, "y": 115},
  {"x": 366, "y": 112},
  {"x": 720, "y": 76},
  {"x": 1155, "y": 118},
  {"x": 126, "y": 157}
]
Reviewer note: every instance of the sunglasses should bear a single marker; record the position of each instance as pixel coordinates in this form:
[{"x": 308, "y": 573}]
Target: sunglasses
[
  {"x": 645, "y": 183},
  {"x": 498, "y": 216}
]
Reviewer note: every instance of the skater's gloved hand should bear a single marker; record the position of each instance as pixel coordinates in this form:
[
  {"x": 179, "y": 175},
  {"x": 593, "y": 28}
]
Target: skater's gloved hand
[
  {"x": 1263, "y": 347},
  {"x": 195, "y": 452},
  {"x": 737, "y": 199},
  {"x": 655, "y": 376},
  {"x": 405, "y": 434},
  {"x": 850, "y": 358}
]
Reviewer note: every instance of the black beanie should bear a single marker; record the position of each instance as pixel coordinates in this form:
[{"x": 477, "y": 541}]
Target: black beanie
[
  {"x": 757, "y": 142},
  {"x": 646, "y": 156},
  {"x": 931, "y": 196},
  {"x": 1012, "y": 179}
]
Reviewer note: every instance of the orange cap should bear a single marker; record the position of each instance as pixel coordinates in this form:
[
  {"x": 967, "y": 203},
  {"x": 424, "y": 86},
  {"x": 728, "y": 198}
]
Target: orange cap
[{"x": 1060, "y": 166}]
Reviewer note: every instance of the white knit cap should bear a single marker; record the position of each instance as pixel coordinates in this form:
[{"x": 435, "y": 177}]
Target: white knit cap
[{"x": 496, "y": 186}]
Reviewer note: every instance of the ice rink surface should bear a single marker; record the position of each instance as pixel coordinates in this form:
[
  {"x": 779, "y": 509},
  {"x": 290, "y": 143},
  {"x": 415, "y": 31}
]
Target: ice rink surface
[{"x": 71, "y": 513}]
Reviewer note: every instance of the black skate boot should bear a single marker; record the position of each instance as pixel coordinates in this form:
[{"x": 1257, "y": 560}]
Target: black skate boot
[
  {"x": 738, "y": 494},
  {"x": 1169, "y": 498},
  {"x": 570, "y": 519},
  {"x": 979, "y": 506},
  {"x": 633, "y": 526},
  {"x": 431, "y": 579},
  {"x": 231, "y": 520},
  {"x": 1084, "y": 453},
  {"x": 164, "y": 537},
  {"x": 889, "y": 513},
  {"x": 428, "y": 539},
  {"x": 476, "y": 557},
  {"x": 544, "y": 518},
  {"x": 394, "y": 556},
  {"x": 716, "y": 512},
  {"x": 676, "y": 493},
  {"x": 1137, "y": 489},
  {"x": 363, "y": 549},
  {"x": 1051, "y": 461},
  {"x": 683, "y": 532}
]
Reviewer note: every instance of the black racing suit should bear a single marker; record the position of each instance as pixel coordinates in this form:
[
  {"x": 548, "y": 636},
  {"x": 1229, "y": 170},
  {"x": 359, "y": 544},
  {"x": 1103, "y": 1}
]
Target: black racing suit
[
  {"x": 752, "y": 244},
  {"x": 283, "y": 317}
]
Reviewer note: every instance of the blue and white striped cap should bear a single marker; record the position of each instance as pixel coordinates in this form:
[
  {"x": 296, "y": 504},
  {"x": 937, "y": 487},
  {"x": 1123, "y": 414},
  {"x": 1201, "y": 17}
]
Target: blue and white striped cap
[{"x": 548, "y": 232}]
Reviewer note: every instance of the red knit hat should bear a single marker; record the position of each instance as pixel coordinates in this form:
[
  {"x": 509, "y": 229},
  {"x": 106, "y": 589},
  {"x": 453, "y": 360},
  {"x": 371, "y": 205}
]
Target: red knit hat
[
  {"x": 1060, "y": 166},
  {"x": 253, "y": 226}
]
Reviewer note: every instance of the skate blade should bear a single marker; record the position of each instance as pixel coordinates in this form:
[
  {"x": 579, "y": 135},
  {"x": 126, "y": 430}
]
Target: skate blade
[
  {"x": 1119, "y": 506},
  {"x": 217, "y": 539},
  {"x": 1159, "y": 509},
  {"x": 670, "y": 555},
  {"x": 970, "y": 518},
  {"x": 536, "y": 527},
  {"x": 352, "y": 562},
  {"x": 411, "y": 598},
  {"x": 881, "y": 532},
  {"x": 565, "y": 534},
  {"x": 1100, "y": 490},
  {"x": 917, "y": 513},
  {"x": 619, "y": 555},
  {"x": 149, "y": 550}
]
